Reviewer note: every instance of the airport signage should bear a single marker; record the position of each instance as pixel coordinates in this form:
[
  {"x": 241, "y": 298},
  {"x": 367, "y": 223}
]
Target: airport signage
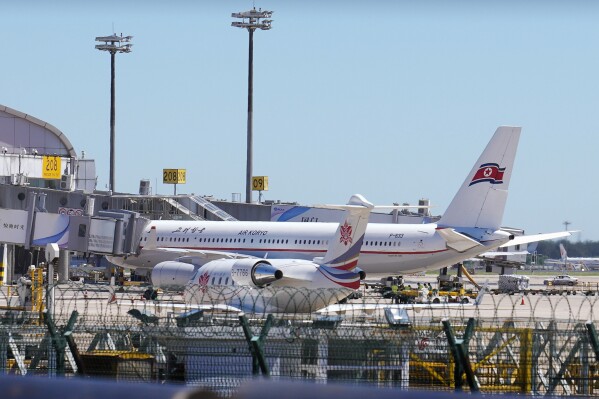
[
  {"x": 174, "y": 176},
  {"x": 12, "y": 226},
  {"x": 51, "y": 168},
  {"x": 260, "y": 183}
]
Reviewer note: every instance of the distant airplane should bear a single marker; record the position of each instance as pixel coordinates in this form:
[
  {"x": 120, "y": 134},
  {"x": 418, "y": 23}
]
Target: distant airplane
[{"x": 469, "y": 227}]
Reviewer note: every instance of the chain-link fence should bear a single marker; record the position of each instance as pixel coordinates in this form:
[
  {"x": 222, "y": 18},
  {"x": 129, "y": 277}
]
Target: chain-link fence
[{"x": 537, "y": 345}]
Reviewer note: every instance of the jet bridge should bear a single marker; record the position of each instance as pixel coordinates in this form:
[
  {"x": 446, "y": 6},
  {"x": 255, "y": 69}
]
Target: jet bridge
[{"x": 106, "y": 233}]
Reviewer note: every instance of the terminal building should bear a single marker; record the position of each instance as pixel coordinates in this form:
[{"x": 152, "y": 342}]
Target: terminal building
[{"x": 48, "y": 191}]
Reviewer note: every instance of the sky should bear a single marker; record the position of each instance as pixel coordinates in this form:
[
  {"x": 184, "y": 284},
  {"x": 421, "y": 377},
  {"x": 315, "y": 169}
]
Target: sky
[{"x": 392, "y": 99}]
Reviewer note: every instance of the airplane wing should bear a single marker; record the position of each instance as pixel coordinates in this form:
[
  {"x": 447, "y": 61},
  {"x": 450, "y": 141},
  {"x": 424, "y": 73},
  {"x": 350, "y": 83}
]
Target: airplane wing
[
  {"x": 457, "y": 241},
  {"x": 492, "y": 254},
  {"x": 208, "y": 307},
  {"x": 206, "y": 255},
  {"x": 518, "y": 240},
  {"x": 370, "y": 308}
]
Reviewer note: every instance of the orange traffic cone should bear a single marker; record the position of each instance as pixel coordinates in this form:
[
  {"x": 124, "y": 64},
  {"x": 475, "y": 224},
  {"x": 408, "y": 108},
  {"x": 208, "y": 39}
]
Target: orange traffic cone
[{"x": 522, "y": 302}]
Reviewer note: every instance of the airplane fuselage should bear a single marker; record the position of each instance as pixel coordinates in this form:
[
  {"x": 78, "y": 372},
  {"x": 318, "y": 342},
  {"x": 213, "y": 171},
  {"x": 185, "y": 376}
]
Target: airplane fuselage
[{"x": 387, "y": 248}]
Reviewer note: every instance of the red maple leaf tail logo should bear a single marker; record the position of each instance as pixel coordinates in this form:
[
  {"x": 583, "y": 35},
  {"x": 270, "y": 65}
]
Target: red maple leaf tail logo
[
  {"x": 203, "y": 281},
  {"x": 346, "y": 231}
]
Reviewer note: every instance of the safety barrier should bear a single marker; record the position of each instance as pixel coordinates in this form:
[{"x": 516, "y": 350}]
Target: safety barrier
[{"x": 534, "y": 345}]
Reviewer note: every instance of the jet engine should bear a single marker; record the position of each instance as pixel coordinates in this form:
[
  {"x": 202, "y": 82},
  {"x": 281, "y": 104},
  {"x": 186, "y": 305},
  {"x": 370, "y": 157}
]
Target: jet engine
[
  {"x": 172, "y": 274},
  {"x": 255, "y": 272}
]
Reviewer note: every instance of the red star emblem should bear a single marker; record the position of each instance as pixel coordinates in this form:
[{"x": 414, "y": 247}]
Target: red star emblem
[
  {"x": 203, "y": 281},
  {"x": 346, "y": 231}
]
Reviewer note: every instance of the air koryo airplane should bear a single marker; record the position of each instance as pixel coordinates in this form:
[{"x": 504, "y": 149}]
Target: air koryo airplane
[{"x": 469, "y": 227}]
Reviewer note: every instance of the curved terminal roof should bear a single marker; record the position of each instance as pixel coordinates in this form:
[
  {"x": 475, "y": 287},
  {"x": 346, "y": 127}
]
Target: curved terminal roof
[{"x": 20, "y": 131}]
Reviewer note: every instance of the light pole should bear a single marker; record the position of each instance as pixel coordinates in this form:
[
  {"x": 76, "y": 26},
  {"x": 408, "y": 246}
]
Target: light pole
[
  {"x": 113, "y": 44},
  {"x": 251, "y": 20}
]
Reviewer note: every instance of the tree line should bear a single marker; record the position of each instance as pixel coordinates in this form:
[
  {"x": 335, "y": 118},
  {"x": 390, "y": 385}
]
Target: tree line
[{"x": 580, "y": 249}]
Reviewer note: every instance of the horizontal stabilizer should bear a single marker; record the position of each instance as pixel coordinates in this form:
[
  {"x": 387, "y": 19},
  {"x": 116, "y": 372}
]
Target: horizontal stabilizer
[
  {"x": 519, "y": 240},
  {"x": 457, "y": 241}
]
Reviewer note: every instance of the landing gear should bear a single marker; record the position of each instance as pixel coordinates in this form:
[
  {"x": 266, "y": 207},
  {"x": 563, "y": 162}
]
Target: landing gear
[{"x": 150, "y": 294}]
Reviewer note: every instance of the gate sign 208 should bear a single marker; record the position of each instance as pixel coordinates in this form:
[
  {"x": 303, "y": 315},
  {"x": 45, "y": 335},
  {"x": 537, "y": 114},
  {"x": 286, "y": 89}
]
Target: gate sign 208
[{"x": 173, "y": 176}]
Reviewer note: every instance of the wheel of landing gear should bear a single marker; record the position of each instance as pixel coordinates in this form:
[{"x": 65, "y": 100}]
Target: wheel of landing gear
[{"x": 150, "y": 294}]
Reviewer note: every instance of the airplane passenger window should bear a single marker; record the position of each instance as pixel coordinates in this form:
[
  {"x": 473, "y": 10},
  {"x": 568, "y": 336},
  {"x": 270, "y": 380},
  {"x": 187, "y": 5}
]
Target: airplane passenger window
[
  {"x": 220, "y": 279},
  {"x": 227, "y": 281},
  {"x": 213, "y": 280}
]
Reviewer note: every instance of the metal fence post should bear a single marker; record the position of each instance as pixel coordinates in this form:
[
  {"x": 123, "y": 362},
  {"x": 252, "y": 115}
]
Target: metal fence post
[
  {"x": 459, "y": 351},
  {"x": 256, "y": 344}
]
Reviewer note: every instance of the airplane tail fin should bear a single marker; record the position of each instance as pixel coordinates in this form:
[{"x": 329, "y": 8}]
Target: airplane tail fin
[
  {"x": 480, "y": 202},
  {"x": 344, "y": 248},
  {"x": 562, "y": 252}
]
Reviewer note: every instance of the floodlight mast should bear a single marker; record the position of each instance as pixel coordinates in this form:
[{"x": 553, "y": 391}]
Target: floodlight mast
[
  {"x": 251, "y": 20},
  {"x": 113, "y": 44}
]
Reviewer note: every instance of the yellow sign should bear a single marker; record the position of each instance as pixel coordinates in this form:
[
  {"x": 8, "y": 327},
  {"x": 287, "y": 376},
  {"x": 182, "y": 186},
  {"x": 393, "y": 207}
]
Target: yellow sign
[
  {"x": 173, "y": 176},
  {"x": 260, "y": 183},
  {"x": 51, "y": 168}
]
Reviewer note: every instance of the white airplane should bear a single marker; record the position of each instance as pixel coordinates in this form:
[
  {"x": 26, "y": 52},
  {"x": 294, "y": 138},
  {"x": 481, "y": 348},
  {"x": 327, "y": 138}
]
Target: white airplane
[
  {"x": 280, "y": 285},
  {"x": 469, "y": 227}
]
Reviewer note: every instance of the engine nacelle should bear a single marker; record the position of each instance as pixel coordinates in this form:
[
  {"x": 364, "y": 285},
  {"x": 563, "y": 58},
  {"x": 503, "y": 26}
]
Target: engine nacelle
[
  {"x": 172, "y": 274},
  {"x": 258, "y": 273}
]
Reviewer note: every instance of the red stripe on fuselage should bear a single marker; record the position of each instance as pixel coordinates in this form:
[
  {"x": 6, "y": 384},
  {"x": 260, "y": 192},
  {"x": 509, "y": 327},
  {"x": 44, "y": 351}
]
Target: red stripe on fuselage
[{"x": 228, "y": 249}]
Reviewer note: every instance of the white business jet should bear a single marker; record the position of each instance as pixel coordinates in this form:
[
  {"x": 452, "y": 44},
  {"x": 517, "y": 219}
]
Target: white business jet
[
  {"x": 280, "y": 285},
  {"x": 469, "y": 227}
]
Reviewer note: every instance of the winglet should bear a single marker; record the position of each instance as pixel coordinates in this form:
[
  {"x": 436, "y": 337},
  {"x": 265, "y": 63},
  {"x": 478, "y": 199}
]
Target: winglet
[
  {"x": 152, "y": 242},
  {"x": 481, "y": 293}
]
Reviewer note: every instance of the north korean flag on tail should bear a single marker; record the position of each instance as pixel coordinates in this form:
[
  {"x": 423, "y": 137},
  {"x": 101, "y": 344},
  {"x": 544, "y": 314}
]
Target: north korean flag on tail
[{"x": 489, "y": 172}]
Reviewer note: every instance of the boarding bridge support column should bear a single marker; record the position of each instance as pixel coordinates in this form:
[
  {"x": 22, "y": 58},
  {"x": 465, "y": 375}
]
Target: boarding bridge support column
[
  {"x": 9, "y": 262},
  {"x": 2, "y": 264},
  {"x": 64, "y": 261},
  {"x": 31, "y": 200}
]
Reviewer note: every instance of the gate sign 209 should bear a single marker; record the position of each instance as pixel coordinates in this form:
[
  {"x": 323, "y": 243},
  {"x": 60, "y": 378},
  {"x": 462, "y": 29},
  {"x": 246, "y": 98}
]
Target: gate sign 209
[{"x": 173, "y": 176}]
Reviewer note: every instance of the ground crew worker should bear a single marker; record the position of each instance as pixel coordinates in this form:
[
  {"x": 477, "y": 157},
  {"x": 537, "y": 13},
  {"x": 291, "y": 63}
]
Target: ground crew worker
[{"x": 394, "y": 293}]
